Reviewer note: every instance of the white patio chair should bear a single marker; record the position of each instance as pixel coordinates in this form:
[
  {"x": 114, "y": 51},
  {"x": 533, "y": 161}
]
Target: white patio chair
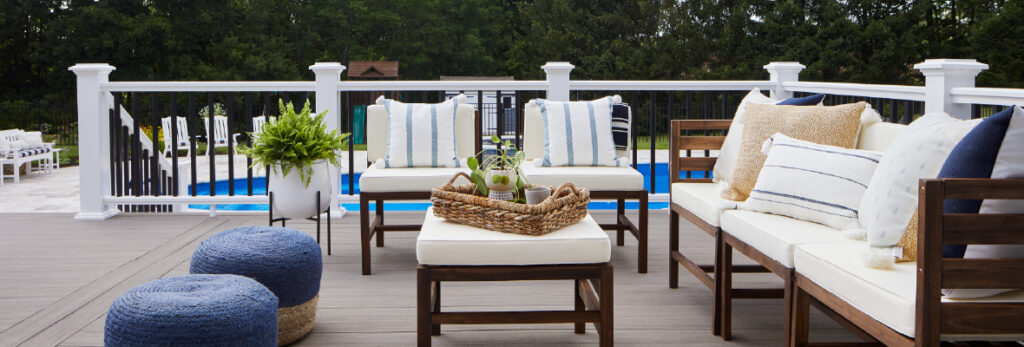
[
  {"x": 182, "y": 139},
  {"x": 605, "y": 182},
  {"x": 378, "y": 183},
  {"x": 219, "y": 136}
]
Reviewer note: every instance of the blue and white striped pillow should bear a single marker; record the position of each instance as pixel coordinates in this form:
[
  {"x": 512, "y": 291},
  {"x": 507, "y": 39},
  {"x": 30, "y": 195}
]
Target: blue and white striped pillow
[
  {"x": 812, "y": 182},
  {"x": 421, "y": 135},
  {"x": 578, "y": 133}
]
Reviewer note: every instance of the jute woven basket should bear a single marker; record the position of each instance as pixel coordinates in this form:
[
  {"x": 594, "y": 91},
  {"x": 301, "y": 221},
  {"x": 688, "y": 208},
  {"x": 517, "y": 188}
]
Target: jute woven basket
[{"x": 458, "y": 203}]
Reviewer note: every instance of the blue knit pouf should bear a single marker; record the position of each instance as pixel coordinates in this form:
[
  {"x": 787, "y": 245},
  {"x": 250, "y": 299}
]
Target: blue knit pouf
[
  {"x": 286, "y": 261},
  {"x": 194, "y": 310}
]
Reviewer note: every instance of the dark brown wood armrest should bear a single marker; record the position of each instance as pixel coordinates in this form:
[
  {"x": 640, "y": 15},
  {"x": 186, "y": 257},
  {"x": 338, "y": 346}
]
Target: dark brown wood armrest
[{"x": 711, "y": 138}]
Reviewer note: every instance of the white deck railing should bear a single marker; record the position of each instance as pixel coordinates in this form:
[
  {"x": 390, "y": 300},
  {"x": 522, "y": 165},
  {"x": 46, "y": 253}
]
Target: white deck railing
[{"x": 949, "y": 86}]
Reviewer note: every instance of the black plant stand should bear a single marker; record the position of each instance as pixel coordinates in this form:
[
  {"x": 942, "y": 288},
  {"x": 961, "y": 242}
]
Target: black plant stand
[{"x": 316, "y": 219}]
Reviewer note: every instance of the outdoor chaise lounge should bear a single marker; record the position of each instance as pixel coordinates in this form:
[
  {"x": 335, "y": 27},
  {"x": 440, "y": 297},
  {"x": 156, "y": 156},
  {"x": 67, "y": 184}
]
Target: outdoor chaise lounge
[
  {"x": 182, "y": 138},
  {"x": 219, "y": 137},
  {"x": 378, "y": 183},
  {"x": 605, "y": 182},
  {"x": 18, "y": 148}
]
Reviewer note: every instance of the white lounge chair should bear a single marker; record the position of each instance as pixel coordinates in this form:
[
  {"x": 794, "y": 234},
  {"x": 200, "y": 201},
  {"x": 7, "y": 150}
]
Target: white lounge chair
[
  {"x": 219, "y": 136},
  {"x": 17, "y": 153},
  {"x": 182, "y": 138},
  {"x": 258, "y": 123}
]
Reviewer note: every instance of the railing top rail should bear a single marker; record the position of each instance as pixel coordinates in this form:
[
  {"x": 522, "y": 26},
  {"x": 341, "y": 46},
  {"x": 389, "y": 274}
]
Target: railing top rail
[
  {"x": 210, "y": 86},
  {"x": 988, "y": 96},
  {"x": 441, "y": 85},
  {"x": 669, "y": 85},
  {"x": 887, "y": 91}
]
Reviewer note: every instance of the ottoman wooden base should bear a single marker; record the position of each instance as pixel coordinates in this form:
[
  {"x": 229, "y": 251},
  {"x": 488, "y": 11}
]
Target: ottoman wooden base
[{"x": 593, "y": 297}]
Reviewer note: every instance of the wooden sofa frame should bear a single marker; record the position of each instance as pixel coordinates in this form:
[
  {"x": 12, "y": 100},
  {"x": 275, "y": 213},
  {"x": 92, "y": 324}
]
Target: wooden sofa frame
[
  {"x": 593, "y": 297},
  {"x": 934, "y": 273},
  {"x": 697, "y": 135},
  {"x": 369, "y": 229}
]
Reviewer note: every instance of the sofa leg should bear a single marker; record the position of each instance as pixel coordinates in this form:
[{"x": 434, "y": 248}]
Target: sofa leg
[
  {"x": 800, "y": 317},
  {"x": 364, "y": 232},
  {"x": 607, "y": 338},
  {"x": 620, "y": 232},
  {"x": 435, "y": 329},
  {"x": 423, "y": 314},
  {"x": 673, "y": 246},
  {"x": 716, "y": 317},
  {"x": 380, "y": 221},
  {"x": 787, "y": 309},
  {"x": 642, "y": 235},
  {"x": 579, "y": 328},
  {"x": 726, "y": 289}
]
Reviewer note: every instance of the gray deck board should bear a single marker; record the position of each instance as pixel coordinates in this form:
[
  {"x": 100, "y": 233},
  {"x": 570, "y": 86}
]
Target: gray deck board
[{"x": 59, "y": 276}]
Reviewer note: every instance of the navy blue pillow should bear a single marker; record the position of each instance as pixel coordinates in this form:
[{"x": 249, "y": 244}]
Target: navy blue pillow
[
  {"x": 974, "y": 157},
  {"x": 620, "y": 126},
  {"x": 810, "y": 100}
]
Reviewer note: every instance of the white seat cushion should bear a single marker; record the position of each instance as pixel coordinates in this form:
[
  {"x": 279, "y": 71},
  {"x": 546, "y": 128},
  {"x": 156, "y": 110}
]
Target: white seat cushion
[
  {"x": 777, "y": 236},
  {"x": 445, "y": 243},
  {"x": 597, "y": 178},
  {"x": 377, "y": 179},
  {"x": 886, "y": 295},
  {"x": 703, "y": 200}
]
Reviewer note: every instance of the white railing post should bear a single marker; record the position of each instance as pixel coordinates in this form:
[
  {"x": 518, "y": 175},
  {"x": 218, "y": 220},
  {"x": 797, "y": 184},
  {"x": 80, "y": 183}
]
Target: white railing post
[
  {"x": 781, "y": 72},
  {"x": 328, "y": 75},
  {"x": 941, "y": 76},
  {"x": 558, "y": 79},
  {"x": 93, "y": 142}
]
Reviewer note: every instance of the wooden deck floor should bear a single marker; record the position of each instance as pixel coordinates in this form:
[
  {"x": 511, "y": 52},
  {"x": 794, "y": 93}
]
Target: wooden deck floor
[{"x": 58, "y": 277}]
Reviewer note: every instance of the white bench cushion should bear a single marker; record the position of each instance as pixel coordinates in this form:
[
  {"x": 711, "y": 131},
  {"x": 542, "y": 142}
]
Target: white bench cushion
[
  {"x": 777, "y": 236},
  {"x": 445, "y": 243},
  {"x": 377, "y": 179},
  {"x": 596, "y": 178},
  {"x": 886, "y": 295},
  {"x": 703, "y": 200}
]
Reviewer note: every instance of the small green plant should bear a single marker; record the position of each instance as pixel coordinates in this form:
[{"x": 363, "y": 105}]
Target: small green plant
[
  {"x": 295, "y": 141},
  {"x": 508, "y": 157}
]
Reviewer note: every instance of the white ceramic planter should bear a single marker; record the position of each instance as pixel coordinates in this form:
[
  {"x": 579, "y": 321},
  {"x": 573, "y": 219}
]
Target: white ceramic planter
[
  {"x": 488, "y": 179},
  {"x": 293, "y": 199}
]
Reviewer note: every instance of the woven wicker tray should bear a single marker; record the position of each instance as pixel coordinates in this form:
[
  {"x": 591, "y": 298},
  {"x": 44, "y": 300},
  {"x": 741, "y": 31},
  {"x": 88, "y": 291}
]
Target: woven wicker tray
[{"x": 458, "y": 203}]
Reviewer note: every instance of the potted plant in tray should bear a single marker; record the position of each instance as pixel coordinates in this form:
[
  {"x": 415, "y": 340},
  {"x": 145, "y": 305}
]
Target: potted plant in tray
[
  {"x": 498, "y": 177},
  {"x": 298, "y": 148}
]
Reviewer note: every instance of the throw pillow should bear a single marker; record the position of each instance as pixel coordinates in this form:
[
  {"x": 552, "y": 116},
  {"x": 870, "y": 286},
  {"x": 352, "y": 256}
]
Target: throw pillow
[
  {"x": 421, "y": 135},
  {"x": 812, "y": 182},
  {"x": 891, "y": 198},
  {"x": 578, "y": 133},
  {"x": 33, "y": 139},
  {"x": 994, "y": 149},
  {"x": 827, "y": 125},
  {"x": 620, "y": 126},
  {"x": 803, "y": 101}
]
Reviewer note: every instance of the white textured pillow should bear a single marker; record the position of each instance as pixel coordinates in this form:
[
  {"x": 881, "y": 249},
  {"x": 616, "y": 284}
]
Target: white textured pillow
[
  {"x": 1009, "y": 164},
  {"x": 421, "y": 135},
  {"x": 33, "y": 139},
  {"x": 812, "y": 182},
  {"x": 578, "y": 133},
  {"x": 730, "y": 152},
  {"x": 5, "y": 148},
  {"x": 891, "y": 198}
]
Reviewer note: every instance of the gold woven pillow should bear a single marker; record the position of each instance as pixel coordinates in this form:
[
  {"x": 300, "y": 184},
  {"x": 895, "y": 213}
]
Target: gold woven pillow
[
  {"x": 909, "y": 242},
  {"x": 827, "y": 125}
]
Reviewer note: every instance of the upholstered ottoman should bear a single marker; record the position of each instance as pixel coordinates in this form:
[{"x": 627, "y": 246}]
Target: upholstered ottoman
[
  {"x": 455, "y": 252},
  {"x": 287, "y": 261},
  {"x": 194, "y": 310}
]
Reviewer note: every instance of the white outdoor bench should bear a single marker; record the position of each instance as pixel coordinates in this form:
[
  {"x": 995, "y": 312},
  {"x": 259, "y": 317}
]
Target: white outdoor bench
[
  {"x": 454, "y": 252},
  {"x": 16, "y": 158}
]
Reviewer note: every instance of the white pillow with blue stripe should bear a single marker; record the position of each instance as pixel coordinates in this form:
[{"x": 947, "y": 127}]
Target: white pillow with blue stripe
[
  {"x": 812, "y": 182},
  {"x": 578, "y": 133},
  {"x": 421, "y": 135}
]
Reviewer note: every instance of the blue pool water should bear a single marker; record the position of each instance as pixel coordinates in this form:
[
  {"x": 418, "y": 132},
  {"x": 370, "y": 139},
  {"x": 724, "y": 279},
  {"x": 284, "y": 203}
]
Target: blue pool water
[{"x": 259, "y": 187}]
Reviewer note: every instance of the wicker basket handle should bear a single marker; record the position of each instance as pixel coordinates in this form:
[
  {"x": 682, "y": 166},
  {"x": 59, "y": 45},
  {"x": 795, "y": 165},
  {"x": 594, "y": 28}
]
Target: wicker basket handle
[
  {"x": 567, "y": 186},
  {"x": 456, "y": 176}
]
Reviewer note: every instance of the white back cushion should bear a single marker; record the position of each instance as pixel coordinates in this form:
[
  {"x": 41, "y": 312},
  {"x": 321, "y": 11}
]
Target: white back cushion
[
  {"x": 377, "y": 131},
  {"x": 877, "y": 136}
]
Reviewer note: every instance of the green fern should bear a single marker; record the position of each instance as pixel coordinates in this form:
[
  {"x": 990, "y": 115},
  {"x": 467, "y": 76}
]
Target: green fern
[{"x": 295, "y": 141}]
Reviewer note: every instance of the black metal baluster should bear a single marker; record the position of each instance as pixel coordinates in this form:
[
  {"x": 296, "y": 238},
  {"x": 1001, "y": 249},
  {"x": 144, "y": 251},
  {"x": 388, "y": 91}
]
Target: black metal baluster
[
  {"x": 671, "y": 116},
  {"x": 154, "y": 161},
  {"x": 499, "y": 116},
  {"x": 112, "y": 129},
  {"x": 211, "y": 143},
  {"x": 267, "y": 111},
  {"x": 192, "y": 140},
  {"x": 480, "y": 125},
  {"x": 119, "y": 145},
  {"x": 351, "y": 146},
  {"x": 174, "y": 143},
  {"x": 653, "y": 114},
  {"x": 632, "y": 129},
  {"x": 230, "y": 138},
  {"x": 136, "y": 150},
  {"x": 688, "y": 108},
  {"x": 248, "y": 141}
]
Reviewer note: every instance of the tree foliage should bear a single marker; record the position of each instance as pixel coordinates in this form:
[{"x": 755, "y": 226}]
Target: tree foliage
[{"x": 875, "y": 41}]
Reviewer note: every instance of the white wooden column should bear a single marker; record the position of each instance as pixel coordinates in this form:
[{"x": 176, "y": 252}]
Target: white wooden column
[
  {"x": 93, "y": 142},
  {"x": 558, "y": 79},
  {"x": 781, "y": 72},
  {"x": 941, "y": 76},
  {"x": 328, "y": 75}
]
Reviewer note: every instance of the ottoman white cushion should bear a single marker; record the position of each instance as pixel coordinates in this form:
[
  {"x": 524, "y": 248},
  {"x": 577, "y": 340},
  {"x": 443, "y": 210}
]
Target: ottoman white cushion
[{"x": 445, "y": 243}]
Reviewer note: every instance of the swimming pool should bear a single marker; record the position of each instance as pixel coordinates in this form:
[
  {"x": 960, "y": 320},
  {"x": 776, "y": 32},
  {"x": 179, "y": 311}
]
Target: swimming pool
[{"x": 259, "y": 187}]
